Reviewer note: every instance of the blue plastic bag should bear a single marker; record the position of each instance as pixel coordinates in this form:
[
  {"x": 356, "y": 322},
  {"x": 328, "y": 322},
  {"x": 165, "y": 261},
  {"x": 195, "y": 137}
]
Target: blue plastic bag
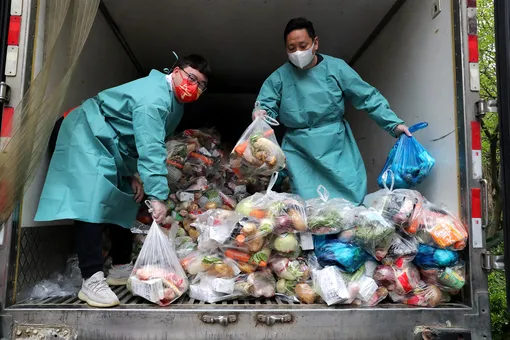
[
  {"x": 333, "y": 252},
  {"x": 409, "y": 162},
  {"x": 429, "y": 257}
]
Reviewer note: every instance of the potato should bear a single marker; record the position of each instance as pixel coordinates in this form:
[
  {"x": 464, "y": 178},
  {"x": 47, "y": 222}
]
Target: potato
[{"x": 305, "y": 293}]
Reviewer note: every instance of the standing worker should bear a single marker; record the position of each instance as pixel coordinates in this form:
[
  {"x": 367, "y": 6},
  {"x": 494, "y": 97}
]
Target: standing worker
[
  {"x": 100, "y": 146},
  {"x": 307, "y": 96}
]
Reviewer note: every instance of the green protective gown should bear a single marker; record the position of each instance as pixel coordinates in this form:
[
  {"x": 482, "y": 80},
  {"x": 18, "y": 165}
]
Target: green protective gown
[
  {"x": 318, "y": 142},
  {"x": 107, "y": 139}
]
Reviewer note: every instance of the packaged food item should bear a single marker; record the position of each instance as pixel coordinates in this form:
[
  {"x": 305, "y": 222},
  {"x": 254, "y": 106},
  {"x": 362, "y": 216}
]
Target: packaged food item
[
  {"x": 332, "y": 287},
  {"x": 449, "y": 279},
  {"x": 408, "y": 160},
  {"x": 333, "y": 252},
  {"x": 327, "y": 216},
  {"x": 250, "y": 233},
  {"x": 257, "y": 259},
  {"x": 157, "y": 275},
  {"x": 430, "y": 257},
  {"x": 437, "y": 227},
  {"x": 263, "y": 283},
  {"x": 257, "y": 152},
  {"x": 369, "y": 230},
  {"x": 400, "y": 280}
]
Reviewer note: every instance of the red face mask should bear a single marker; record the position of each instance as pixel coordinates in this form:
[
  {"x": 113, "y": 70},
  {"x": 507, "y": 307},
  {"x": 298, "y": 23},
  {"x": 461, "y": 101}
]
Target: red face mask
[{"x": 187, "y": 92}]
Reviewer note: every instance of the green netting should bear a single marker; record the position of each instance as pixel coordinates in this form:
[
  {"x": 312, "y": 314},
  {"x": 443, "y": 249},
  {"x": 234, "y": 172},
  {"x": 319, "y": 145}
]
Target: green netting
[{"x": 40, "y": 106}]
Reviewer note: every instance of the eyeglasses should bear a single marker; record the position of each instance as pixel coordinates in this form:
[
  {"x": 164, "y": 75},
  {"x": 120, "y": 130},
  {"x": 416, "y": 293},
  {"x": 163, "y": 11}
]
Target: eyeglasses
[{"x": 202, "y": 85}]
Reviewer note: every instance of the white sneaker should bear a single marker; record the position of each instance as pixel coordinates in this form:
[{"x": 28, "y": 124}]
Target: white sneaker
[
  {"x": 119, "y": 275},
  {"x": 96, "y": 293}
]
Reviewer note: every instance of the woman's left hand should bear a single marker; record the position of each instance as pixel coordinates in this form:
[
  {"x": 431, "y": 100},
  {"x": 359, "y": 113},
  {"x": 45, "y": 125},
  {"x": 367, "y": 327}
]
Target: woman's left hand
[
  {"x": 400, "y": 129},
  {"x": 137, "y": 189}
]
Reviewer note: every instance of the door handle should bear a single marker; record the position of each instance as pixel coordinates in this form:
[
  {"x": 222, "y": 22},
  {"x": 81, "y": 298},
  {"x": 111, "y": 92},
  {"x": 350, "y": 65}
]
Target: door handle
[
  {"x": 274, "y": 318},
  {"x": 223, "y": 320}
]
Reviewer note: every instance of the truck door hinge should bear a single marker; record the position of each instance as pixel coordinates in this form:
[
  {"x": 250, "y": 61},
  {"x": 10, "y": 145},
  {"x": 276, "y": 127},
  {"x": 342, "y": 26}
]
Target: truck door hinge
[
  {"x": 4, "y": 92},
  {"x": 485, "y": 106},
  {"x": 492, "y": 262}
]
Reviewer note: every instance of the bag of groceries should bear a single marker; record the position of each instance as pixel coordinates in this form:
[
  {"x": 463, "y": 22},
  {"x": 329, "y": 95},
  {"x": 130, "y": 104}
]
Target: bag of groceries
[
  {"x": 157, "y": 275},
  {"x": 257, "y": 153}
]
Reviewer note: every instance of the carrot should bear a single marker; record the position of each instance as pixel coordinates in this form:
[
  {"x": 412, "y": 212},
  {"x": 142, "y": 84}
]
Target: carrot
[
  {"x": 241, "y": 148},
  {"x": 237, "y": 255},
  {"x": 174, "y": 163},
  {"x": 204, "y": 159},
  {"x": 262, "y": 264},
  {"x": 240, "y": 238},
  {"x": 258, "y": 213}
]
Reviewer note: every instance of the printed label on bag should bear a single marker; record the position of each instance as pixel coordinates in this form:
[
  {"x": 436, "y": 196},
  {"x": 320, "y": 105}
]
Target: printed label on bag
[
  {"x": 404, "y": 282},
  {"x": 451, "y": 279},
  {"x": 151, "y": 290},
  {"x": 186, "y": 196},
  {"x": 306, "y": 241},
  {"x": 333, "y": 286},
  {"x": 367, "y": 288},
  {"x": 225, "y": 286}
]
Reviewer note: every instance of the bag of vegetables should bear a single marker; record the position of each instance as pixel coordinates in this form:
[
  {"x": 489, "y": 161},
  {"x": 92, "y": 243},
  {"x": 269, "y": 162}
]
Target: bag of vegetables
[
  {"x": 215, "y": 227},
  {"x": 437, "y": 227},
  {"x": 287, "y": 211},
  {"x": 422, "y": 296},
  {"x": 450, "y": 279},
  {"x": 286, "y": 245},
  {"x": 403, "y": 248},
  {"x": 250, "y": 234},
  {"x": 326, "y": 216},
  {"x": 429, "y": 257},
  {"x": 157, "y": 275},
  {"x": 294, "y": 291},
  {"x": 400, "y": 280},
  {"x": 333, "y": 252},
  {"x": 257, "y": 153},
  {"x": 369, "y": 230},
  {"x": 215, "y": 264}
]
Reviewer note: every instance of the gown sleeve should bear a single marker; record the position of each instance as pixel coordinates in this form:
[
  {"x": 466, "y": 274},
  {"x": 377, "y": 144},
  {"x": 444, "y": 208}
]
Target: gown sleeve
[
  {"x": 363, "y": 96},
  {"x": 270, "y": 95},
  {"x": 149, "y": 131}
]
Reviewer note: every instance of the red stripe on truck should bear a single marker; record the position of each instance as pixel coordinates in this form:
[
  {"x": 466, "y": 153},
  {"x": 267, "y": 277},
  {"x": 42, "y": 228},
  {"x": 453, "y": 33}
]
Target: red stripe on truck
[
  {"x": 7, "y": 118},
  {"x": 476, "y": 136},
  {"x": 476, "y": 203},
  {"x": 14, "y": 30}
]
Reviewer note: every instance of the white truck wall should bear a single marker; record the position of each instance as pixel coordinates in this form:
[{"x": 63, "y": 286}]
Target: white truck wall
[
  {"x": 103, "y": 63},
  {"x": 412, "y": 64}
]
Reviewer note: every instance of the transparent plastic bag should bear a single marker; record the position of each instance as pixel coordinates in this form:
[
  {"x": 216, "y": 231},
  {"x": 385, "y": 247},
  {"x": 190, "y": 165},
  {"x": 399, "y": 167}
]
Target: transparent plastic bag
[
  {"x": 293, "y": 291},
  {"x": 213, "y": 263},
  {"x": 212, "y": 289},
  {"x": 333, "y": 287},
  {"x": 422, "y": 296},
  {"x": 290, "y": 270},
  {"x": 157, "y": 275},
  {"x": 403, "y": 248},
  {"x": 257, "y": 153},
  {"x": 435, "y": 226},
  {"x": 369, "y": 230},
  {"x": 333, "y": 252},
  {"x": 286, "y": 210},
  {"x": 263, "y": 283},
  {"x": 400, "y": 280},
  {"x": 215, "y": 227},
  {"x": 184, "y": 246},
  {"x": 326, "y": 216},
  {"x": 429, "y": 257},
  {"x": 408, "y": 160},
  {"x": 394, "y": 205},
  {"x": 250, "y": 234},
  {"x": 450, "y": 279}
]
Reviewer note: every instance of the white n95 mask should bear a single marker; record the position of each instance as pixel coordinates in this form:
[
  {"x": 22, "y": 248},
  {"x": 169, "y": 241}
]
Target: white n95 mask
[{"x": 302, "y": 59}]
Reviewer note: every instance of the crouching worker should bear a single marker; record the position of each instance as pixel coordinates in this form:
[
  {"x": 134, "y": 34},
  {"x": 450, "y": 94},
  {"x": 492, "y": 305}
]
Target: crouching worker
[{"x": 100, "y": 146}]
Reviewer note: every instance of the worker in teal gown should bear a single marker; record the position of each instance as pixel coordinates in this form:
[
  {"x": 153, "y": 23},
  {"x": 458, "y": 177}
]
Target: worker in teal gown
[
  {"x": 100, "y": 147},
  {"x": 307, "y": 95}
]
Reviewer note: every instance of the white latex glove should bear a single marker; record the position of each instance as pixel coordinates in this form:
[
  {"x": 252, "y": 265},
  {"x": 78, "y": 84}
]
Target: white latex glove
[
  {"x": 258, "y": 114},
  {"x": 159, "y": 211}
]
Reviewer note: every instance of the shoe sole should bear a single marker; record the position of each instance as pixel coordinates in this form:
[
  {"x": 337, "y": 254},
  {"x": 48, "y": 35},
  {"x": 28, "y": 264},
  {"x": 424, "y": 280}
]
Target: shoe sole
[
  {"x": 93, "y": 303},
  {"x": 116, "y": 282}
]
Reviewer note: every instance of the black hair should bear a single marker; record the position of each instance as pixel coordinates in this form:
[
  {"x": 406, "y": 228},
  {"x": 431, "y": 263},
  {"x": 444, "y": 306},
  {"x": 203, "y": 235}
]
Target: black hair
[
  {"x": 299, "y": 24},
  {"x": 197, "y": 62}
]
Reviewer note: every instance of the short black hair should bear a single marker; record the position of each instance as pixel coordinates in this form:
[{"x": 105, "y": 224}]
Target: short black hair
[
  {"x": 299, "y": 24},
  {"x": 197, "y": 62}
]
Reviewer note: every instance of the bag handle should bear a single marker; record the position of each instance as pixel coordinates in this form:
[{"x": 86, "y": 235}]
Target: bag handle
[
  {"x": 323, "y": 193},
  {"x": 268, "y": 119},
  {"x": 272, "y": 181},
  {"x": 417, "y": 127},
  {"x": 385, "y": 178}
]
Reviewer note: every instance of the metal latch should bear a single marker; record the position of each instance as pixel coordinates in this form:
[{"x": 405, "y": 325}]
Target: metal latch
[
  {"x": 493, "y": 262},
  {"x": 223, "y": 320},
  {"x": 4, "y": 92},
  {"x": 274, "y": 318},
  {"x": 485, "y": 106}
]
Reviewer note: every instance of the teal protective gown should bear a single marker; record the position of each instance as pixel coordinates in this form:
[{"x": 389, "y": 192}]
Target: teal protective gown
[
  {"x": 107, "y": 139},
  {"x": 319, "y": 143}
]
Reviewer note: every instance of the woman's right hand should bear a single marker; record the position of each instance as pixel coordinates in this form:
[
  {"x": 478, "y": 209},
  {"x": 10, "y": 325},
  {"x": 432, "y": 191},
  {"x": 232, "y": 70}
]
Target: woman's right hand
[{"x": 159, "y": 211}]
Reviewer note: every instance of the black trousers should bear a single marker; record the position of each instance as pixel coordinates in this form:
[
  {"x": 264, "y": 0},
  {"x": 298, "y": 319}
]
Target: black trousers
[{"x": 89, "y": 239}]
